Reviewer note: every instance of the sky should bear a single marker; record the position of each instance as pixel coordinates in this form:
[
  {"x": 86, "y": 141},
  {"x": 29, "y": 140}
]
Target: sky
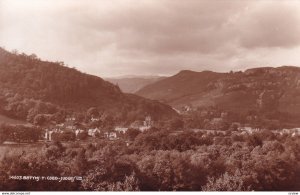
[{"x": 111, "y": 38}]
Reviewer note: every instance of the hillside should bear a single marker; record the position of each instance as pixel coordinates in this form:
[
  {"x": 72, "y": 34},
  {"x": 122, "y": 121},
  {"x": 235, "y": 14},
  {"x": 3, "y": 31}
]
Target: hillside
[
  {"x": 272, "y": 91},
  {"x": 133, "y": 84},
  {"x": 185, "y": 83},
  {"x": 30, "y": 86}
]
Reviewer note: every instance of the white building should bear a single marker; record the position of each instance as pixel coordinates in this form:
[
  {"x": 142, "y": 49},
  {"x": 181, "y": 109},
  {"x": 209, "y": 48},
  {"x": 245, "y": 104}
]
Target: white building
[
  {"x": 293, "y": 132},
  {"x": 93, "y": 132},
  {"x": 144, "y": 128},
  {"x": 121, "y": 129},
  {"x": 70, "y": 119},
  {"x": 248, "y": 129},
  {"x": 78, "y": 131},
  {"x": 110, "y": 135},
  {"x": 48, "y": 133},
  {"x": 147, "y": 124},
  {"x": 94, "y": 119},
  {"x": 148, "y": 121}
]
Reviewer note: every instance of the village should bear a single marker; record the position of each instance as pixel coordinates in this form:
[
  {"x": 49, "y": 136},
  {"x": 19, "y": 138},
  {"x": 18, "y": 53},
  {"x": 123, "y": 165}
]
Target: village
[{"x": 70, "y": 130}]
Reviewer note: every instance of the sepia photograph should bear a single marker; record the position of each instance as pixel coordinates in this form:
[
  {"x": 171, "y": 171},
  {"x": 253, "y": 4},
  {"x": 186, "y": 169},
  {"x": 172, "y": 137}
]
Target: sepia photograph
[{"x": 149, "y": 96}]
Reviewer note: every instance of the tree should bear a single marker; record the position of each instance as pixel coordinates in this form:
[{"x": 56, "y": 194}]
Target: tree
[
  {"x": 234, "y": 127},
  {"x": 254, "y": 140},
  {"x": 64, "y": 136},
  {"x": 80, "y": 162},
  {"x": 82, "y": 135},
  {"x": 15, "y": 52},
  {"x": 21, "y": 133},
  {"x": 224, "y": 126},
  {"x": 131, "y": 134},
  {"x": 39, "y": 119},
  {"x": 59, "y": 116},
  {"x": 225, "y": 182},
  {"x": 33, "y": 56},
  {"x": 108, "y": 122},
  {"x": 175, "y": 124},
  {"x": 92, "y": 112},
  {"x": 131, "y": 183}
]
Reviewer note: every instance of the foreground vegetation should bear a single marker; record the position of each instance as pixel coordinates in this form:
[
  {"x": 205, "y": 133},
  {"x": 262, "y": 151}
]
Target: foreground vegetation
[{"x": 160, "y": 160}]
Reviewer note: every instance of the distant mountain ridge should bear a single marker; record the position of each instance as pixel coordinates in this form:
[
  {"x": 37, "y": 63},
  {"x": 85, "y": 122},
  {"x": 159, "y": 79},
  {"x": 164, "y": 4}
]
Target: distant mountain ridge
[
  {"x": 266, "y": 90},
  {"x": 131, "y": 84}
]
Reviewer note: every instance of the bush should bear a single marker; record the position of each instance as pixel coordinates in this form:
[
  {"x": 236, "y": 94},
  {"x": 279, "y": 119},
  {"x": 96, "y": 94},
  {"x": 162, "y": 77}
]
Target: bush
[{"x": 64, "y": 136}]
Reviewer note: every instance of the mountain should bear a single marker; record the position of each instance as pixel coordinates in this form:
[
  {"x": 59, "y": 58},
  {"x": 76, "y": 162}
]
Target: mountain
[
  {"x": 30, "y": 86},
  {"x": 272, "y": 91},
  {"x": 133, "y": 83},
  {"x": 185, "y": 83}
]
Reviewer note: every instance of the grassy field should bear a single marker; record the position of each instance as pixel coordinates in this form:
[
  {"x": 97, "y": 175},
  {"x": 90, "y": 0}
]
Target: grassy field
[
  {"x": 7, "y": 120},
  {"x": 18, "y": 149},
  {"x": 8, "y": 148}
]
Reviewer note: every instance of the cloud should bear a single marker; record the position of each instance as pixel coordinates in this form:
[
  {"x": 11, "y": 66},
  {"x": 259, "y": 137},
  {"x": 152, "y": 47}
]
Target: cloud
[
  {"x": 271, "y": 25},
  {"x": 118, "y": 37},
  {"x": 166, "y": 28}
]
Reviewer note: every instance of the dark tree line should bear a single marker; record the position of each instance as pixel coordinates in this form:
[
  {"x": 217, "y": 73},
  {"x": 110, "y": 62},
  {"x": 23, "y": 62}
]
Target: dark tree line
[{"x": 159, "y": 160}]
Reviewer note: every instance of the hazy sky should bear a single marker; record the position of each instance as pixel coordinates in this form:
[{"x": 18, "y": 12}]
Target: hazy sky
[{"x": 149, "y": 37}]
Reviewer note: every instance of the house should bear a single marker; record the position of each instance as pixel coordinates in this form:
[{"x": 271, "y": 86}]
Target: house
[
  {"x": 293, "y": 132},
  {"x": 77, "y": 131},
  {"x": 136, "y": 124},
  {"x": 147, "y": 124},
  {"x": 209, "y": 132},
  {"x": 248, "y": 129},
  {"x": 144, "y": 128},
  {"x": 49, "y": 132},
  {"x": 94, "y": 119},
  {"x": 215, "y": 123},
  {"x": 121, "y": 129},
  {"x": 224, "y": 114},
  {"x": 245, "y": 129},
  {"x": 216, "y": 120},
  {"x": 70, "y": 119},
  {"x": 187, "y": 108},
  {"x": 48, "y": 135},
  {"x": 204, "y": 113},
  {"x": 110, "y": 135},
  {"x": 60, "y": 125},
  {"x": 70, "y": 127},
  {"x": 93, "y": 132},
  {"x": 148, "y": 121},
  {"x": 142, "y": 125}
]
